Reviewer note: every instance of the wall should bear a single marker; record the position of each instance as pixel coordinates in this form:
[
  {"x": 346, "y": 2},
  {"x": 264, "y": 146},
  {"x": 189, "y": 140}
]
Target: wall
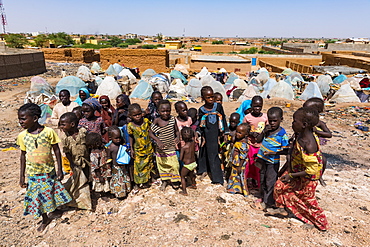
[
  {"x": 238, "y": 67},
  {"x": 222, "y": 48},
  {"x": 141, "y": 58},
  {"x": 311, "y": 47},
  {"x": 301, "y": 68},
  {"x": 271, "y": 67},
  {"x": 349, "y": 60},
  {"x": 77, "y": 55},
  {"x": 21, "y": 64}
]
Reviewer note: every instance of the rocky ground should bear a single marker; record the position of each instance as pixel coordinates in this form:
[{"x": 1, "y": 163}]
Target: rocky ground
[{"x": 209, "y": 216}]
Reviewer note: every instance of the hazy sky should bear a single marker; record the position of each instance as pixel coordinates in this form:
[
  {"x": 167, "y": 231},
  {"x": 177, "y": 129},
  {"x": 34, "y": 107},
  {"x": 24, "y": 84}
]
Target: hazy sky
[{"x": 242, "y": 18}]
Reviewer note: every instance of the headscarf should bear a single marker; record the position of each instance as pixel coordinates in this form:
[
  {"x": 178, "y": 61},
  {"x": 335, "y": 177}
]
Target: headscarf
[
  {"x": 242, "y": 108},
  {"x": 94, "y": 103},
  {"x": 86, "y": 91},
  {"x": 107, "y": 117},
  {"x": 126, "y": 100}
]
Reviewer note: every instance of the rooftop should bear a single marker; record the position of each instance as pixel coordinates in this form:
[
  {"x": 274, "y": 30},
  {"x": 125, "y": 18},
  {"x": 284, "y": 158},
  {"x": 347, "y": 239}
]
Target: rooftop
[{"x": 219, "y": 59}]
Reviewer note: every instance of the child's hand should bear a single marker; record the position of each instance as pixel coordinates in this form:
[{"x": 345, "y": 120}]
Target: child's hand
[
  {"x": 22, "y": 182},
  {"x": 60, "y": 175},
  {"x": 160, "y": 144},
  {"x": 267, "y": 128},
  {"x": 177, "y": 140},
  {"x": 203, "y": 141},
  {"x": 254, "y": 134},
  {"x": 286, "y": 178},
  {"x": 132, "y": 153}
]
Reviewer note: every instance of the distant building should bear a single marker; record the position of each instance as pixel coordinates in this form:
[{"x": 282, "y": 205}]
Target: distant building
[
  {"x": 130, "y": 36},
  {"x": 173, "y": 44},
  {"x": 92, "y": 41},
  {"x": 358, "y": 40}
]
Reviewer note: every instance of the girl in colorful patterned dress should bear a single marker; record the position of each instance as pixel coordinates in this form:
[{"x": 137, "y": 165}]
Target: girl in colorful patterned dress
[
  {"x": 239, "y": 159},
  {"x": 166, "y": 136},
  {"x": 141, "y": 146},
  {"x": 44, "y": 191},
  {"x": 90, "y": 121},
  {"x": 296, "y": 188}
]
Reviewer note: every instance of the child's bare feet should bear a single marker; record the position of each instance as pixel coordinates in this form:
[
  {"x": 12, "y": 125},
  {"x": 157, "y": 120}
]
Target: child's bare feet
[
  {"x": 45, "y": 222},
  {"x": 56, "y": 214},
  {"x": 163, "y": 186},
  {"x": 184, "y": 193},
  {"x": 322, "y": 182},
  {"x": 204, "y": 174},
  {"x": 193, "y": 186}
]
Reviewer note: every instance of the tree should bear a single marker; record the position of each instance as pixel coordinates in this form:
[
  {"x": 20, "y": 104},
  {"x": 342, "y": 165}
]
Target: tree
[
  {"x": 61, "y": 38},
  {"x": 217, "y": 42},
  {"x": 15, "y": 40},
  {"x": 83, "y": 39},
  {"x": 40, "y": 40},
  {"x": 159, "y": 36},
  {"x": 132, "y": 41},
  {"x": 115, "y": 41}
]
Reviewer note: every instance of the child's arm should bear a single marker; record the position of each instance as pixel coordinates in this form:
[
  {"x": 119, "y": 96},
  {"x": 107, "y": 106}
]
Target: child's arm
[
  {"x": 156, "y": 139},
  {"x": 132, "y": 140},
  {"x": 326, "y": 133},
  {"x": 177, "y": 134},
  {"x": 59, "y": 161},
  {"x": 182, "y": 153},
  {"x": 22, "y": 182}
]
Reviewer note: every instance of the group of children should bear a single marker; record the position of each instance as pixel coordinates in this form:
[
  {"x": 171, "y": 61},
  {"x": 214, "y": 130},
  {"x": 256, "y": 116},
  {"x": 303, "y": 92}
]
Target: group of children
[{"x": 123, "y": 150}]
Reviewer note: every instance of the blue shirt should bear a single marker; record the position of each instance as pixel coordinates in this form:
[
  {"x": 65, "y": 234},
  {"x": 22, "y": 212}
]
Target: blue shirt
[{"x": 273, "y": 143}]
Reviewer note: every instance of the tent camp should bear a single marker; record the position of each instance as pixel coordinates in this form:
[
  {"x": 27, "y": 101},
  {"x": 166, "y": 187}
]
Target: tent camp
[
  {"x": 84, "y": 73},
  {"x": 71, "y": 83},
  {"x": 109, "y": 87}
]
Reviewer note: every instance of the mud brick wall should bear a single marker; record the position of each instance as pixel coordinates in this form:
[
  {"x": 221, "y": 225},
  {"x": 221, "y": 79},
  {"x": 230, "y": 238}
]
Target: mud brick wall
[
  {"x": 76, "y": 55},
  {"x": 281, "y": 61},
  {"x": 222, "y": 48},
  {"x": 271, "y": 67},
  {"x": 141, "y": 58},
  {"x": 349, "y": 60},
  {"x": 17, "y": 65},
  {"x": 301, "y": 68}
]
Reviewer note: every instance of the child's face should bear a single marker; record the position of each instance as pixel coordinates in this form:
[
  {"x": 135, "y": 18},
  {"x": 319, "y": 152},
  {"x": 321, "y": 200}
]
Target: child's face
[
  {"x": 104, "y": 103},
  {"x": 65, "y": 125},
  {"x": 297, "y": 124},
  {"x": 64, "y": 97},
  {"x": 136, "y": 115},
  {"x": 241, "y": 132},
  {"x": 274, "y": 121},
  {"x": 119, "y": 102},
  {"x": 234, "y": 121},
  {"x": 78, "y": 114},
  {"x": 257, "y": 106},
  {"x": 218, "y": 98},
  {"x": 82, "y": 95},
  {"x": 87, "y": 111},
  {"x": 115, "y": 137},
  {"x": 156, "y": 98},
  {"x": 26, "y": 120},
  {"x": 182, "y": 110},
  {"x": 208, "y": 97},
  {"x": 165, "y": 111}
]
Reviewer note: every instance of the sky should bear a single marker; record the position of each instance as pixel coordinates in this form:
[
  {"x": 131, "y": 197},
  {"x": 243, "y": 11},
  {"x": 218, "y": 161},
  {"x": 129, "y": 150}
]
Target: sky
[{"x": 214, "y": 18}]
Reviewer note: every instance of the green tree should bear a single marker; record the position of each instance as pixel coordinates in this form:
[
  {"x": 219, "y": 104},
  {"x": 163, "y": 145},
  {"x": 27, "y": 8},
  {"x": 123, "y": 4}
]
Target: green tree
[
  {"x": 159, "y": 36},
  {"x": 83, "y": 39},
  {"x": 40, "y": 40},
  {"x": 217, "y": 42},
  {"x": 115, "y": 41},
  {"x": 132, "y": 41},
  {"x": 15, "y": 40},
  {"x": 61, "y": 38},
  {"x": 252, "y": 50},
  {"x": 92, "y": 37}
]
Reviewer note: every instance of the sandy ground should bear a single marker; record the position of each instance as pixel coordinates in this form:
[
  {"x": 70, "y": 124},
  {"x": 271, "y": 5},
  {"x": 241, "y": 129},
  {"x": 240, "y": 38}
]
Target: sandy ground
[{"x": 209, "y": 216}]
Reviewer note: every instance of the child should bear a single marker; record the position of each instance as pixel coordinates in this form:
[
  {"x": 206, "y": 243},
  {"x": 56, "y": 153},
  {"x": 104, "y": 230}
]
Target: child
[
  {"x": 193, "y": 114},
  {"x": 244, "y": 109},
  {"x": 239, "y": 157},
  {"x": 107, "y": 112},
  {"x": 90, "y": 121},
  {"x": 152, "y": 110},
  {"x": 212, "y": 125},
  {"x": 321, "y": 130},
  {"x": 100, "y": 170},
  {"x": 187, "y": 155},
  {"x": 141, "y": 146},
  {"x": 74, "y": 146},
  {"x": 182, "y": 119},
  {"x": 296, "y": 188},
  {"x": 226, "y": 148},
  {"x": 257, "y": 120},
  {"x": 83, "y": 94},
  {"x": 166, "y": 136},
  {"x": 78, "y": 111},
  {"x": 120, "y": 183},
  {"x": 120, "y": 115},
  {"x": 44, "y": 191},
  {"x": 275, "y": 142},
  {"x": 218, "y": 98},
  {"x": 65, "y": 105}
]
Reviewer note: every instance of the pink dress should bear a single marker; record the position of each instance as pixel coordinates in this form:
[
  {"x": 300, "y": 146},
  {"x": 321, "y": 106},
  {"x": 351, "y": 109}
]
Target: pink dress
[
  {"x": 257, "y": 125},
  {"x": 181, "y": 125}
]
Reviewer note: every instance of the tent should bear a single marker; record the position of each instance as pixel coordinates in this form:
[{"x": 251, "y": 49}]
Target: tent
[
  {"x": 143, "y": 90},
  {"x": 248, "y": 93},
  {"x": 311, "y": 91},
  {"x": 71, "y": 83},
  {"x": 193, "y": 88},
  {"x": 282, "y": 90},
  {"x": 95, "y": 68},
  {"x": 208, "y": 80},
  {"x": 324, "y": 81},
  {"x": 202, "y": 73},
  {"x": 111, "y": 71},
  {"x": 354, "y": 82},
  {"x": 177, "y": 75},
  {"x": 345, "y": 94},
  {"x": 232, "y": 78},
  {"x": 339, "y": 79},
  {"x": 181, "y": 68},
  {"x": 287, "y": 71},
  {"x": 267, "y": 87},
  {"x": 84, "y": 73},
  {"x": 160, "y": 82},
  {"x": 240, "y": 83},
  {"x": 39, "y": 84},
  {"x": 109, "y": 87},
  {"x": 263, "y": 76},
  {"x": 178, "y": 87},
  {"x": 40, "y": 91},
  {"x": 118, "y": 68}
]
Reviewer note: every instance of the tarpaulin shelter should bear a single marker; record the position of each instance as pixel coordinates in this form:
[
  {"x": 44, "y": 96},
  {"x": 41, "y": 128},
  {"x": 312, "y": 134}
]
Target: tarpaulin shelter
[
  {"x": 118, "y": 68},
  {"x": 267, "y": 87},
  {"x": 181, "y": 68},
  {"x": 111, "y": 71},
  {"x": 324, "y": 81},
  {"x": 345, "y": 94},
  {"x": 160, "y": 82},
  {"x": 71, "y": 83},
  {"x": 193, "y": 88},
  {"x": 177, "y": 75},
  {"x": 339, "y": 79},
  {"x": 232, "y": 78},
  {"x": 311, "y": 91},
  {"x": 84, "y": 73},
  {"x": 282, "y": 90},
  {"x": 142, "y": 91},
  {"x": 203, "y": 72},
  {"x": 208, "y": 80},
  {"x": 95, "y": 68},
  {"x": 109, "y": 87}
]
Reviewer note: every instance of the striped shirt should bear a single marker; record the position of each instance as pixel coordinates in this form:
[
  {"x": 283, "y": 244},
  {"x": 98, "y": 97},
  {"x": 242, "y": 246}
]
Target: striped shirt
[
  {"x": 273, "y": 143},
  {"x": 166, "y": 134}
]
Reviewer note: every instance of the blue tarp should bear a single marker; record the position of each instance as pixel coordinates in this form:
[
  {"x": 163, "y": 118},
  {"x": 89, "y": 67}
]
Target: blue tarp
[
  {"x": 71, "y": 83},
  {"x": 178, "y": 75}
]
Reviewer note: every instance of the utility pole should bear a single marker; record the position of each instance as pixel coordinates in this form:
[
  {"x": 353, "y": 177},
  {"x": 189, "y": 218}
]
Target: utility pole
[{"x": 2, "y": 16}]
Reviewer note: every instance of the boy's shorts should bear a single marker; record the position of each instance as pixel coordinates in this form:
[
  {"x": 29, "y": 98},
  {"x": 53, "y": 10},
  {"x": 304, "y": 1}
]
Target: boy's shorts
[{"x": 191, "y": 166}]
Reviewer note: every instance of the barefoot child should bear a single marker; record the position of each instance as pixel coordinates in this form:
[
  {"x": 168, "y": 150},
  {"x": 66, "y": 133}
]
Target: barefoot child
[
  {"x": 218, "y": 98},
  {"x": 239, "y": 157},
  {"x": 120, "y": 183},
  {"x": 212, "y": 126},
  {"x": 44, "y": 191},
  {"x": 74, "y": 146},
  {"x": 90, "y": 121},
  {"x": 100, "y": 170},
  {"x": 228, "y": 145},
  {"x": 141, "y": 146},
  {"x": 296, "y": 188},
  {"x": 187, "y": 155},
  {"x": 274, "y": 143},
  {"x": 166, "y": 136},
  {"x": 152, "y": 110},
  {"x": 257, "y": 120},
  {"x": 121, "y": 113}
]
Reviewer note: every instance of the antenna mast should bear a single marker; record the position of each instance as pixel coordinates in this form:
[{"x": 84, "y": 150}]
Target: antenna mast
[{"x": 2, "y": 16}]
